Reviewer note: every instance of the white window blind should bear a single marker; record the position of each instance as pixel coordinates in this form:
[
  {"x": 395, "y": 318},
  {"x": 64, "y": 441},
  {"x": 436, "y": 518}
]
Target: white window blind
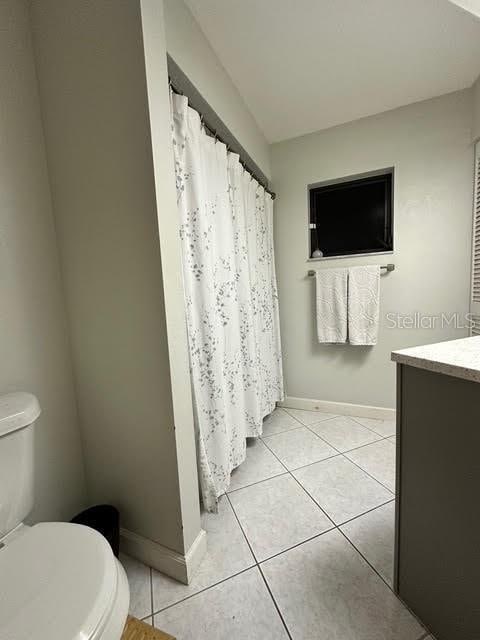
[{"x": 475, "y": 296}]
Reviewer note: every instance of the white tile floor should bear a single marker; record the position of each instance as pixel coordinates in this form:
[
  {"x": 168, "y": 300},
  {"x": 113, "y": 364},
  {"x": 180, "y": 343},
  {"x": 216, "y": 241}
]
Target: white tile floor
[{"x": 302, "y": 545}]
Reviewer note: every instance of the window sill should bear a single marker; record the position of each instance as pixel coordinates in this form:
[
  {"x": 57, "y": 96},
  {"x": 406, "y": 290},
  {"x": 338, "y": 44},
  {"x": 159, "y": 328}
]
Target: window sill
[{"x": 351, "y": 255}]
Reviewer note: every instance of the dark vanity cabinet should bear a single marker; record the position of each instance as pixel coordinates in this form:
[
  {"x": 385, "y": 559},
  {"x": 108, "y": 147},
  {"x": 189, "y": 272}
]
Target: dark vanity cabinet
[{"x": 437, "y": 546}]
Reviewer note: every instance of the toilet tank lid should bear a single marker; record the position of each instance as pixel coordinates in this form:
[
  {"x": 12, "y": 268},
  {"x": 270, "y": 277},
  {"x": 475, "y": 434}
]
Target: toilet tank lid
[{"x": 17, "y": 410}]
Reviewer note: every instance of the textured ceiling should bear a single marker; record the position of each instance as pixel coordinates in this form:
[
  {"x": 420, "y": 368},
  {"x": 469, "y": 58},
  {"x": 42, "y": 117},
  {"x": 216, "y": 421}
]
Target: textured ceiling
[{"x": 304, "y": 65}]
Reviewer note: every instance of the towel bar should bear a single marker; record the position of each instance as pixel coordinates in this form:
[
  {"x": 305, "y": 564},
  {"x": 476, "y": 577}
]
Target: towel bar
[{"x": 387, "y": 267}]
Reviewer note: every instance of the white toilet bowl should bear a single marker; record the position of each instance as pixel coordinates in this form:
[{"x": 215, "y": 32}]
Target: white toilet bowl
[
  {"x": 58, "y": 581},
  {"x": 61, "y": 581}
]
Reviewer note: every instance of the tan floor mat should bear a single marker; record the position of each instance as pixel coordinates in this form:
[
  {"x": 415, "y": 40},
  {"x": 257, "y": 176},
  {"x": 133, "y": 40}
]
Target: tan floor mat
[{"x": 138, "y": 630}]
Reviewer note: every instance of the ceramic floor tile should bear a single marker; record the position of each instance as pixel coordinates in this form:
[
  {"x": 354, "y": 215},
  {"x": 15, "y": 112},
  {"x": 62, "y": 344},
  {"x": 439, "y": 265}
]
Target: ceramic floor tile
[
  {"x": 299, "y": 447},
  {"x": 140, "y": 587},
  {"x": 260, "y": 464},
  {"x": 341, "y": 488},
  {"x": 378, "y": 459},
  {"x": 344, "y": 433},
  {"x": 279, "y": 421},
  {"x": 238, "y": 609},
  {"x": 373, "y": 535},
  {"x": 227, "y": 553},
  {"x": 310, "y": 417},
  {"x": 277, "y": 514},
  {"x": 324, "y": 589},
  {"x": 384, "y": 428}
]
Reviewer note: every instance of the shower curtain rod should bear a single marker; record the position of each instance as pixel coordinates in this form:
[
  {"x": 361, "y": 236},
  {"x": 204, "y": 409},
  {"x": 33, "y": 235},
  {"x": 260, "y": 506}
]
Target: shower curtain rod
[{"x": 214, "y": 134}]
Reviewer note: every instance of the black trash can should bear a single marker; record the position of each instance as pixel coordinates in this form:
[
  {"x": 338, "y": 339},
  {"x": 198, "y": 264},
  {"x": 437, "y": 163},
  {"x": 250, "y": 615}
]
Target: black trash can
[{"x": 105, "y": 519}]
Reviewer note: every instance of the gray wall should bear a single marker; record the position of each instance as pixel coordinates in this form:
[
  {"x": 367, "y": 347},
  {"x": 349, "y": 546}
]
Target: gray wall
[
  {"x": 429, "y": 144},
  {"x": 34, "y": 345},
  {"x": 91, "y": 69},
  {"x": 192, "y": 52},
  {"x": 476, "y": 110}
]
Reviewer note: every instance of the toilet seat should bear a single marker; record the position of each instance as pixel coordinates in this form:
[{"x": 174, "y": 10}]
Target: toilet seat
[{"x": 58, "y": 581}]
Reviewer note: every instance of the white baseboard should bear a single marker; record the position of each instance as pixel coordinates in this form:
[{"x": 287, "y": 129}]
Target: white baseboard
[
  {"x": 176, "y": 565},
  {"x": 195, "y": 554},
  {"x": 340, "y": 408}
]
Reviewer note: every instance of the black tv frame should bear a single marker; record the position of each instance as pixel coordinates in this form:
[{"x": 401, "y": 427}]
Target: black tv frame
[{"x": 383, "y": 175}]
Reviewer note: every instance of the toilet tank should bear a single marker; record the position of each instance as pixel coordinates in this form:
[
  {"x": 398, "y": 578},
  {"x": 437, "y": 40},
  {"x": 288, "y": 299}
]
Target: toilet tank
[{"x": 18, "y": 412}]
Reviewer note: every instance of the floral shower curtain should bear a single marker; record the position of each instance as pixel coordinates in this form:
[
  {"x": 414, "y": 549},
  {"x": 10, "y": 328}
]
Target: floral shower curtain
[{"x": 226, "y": 230}]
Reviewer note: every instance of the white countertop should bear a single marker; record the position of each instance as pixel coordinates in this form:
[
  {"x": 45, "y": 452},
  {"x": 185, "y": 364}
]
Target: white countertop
[{"x": 458, "y": 358}]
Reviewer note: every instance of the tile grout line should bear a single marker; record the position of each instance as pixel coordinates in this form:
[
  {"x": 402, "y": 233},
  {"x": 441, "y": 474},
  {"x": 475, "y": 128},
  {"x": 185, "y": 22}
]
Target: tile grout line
[
  {"x": 354, "y": 418},
  {"x": 332, "y": 528},
  {"x": 425, "y": 634},
  {"x": 277, "y": 475},
  {"x": 337, "y": 415},
  {"x": 274, "y": 602},
  {"x": 339, "y": 453},
  {"x": 336, "y": 455},
  {"x": 292, "y": 429},
  {"x": 357, "y": 420},
  {"x": 310, "y": 464},
  {"x": 369, "y": 474},
  {"x": 243, "y": 532},
  {"x": 334, "y": 525},
  {"x": 215, "y": 584},
  {"x": 379, "y": 437},
  {"x": 278, "y": 433},
  {"x": 316, "y": 535},
  {"x": 298, "y": 544},
  {"x": 302, "y": 487},
  {"x": 301, "y": 424},
  {"x": 367, "y": 444},
  {"x": 343, "y": 453},
  {"x": 365, "y": 512},
  {"x": 332, "y": 416},
  {"x": 309, "y": 427},
  {"x": 257, "y": 564},
  {"x": 318, "y": 504},
  {"x": 365, "y": 559}
]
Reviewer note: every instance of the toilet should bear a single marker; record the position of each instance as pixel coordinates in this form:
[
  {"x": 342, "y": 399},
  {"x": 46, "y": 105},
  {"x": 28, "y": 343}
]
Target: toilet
[{"x": 58, "y": 581}]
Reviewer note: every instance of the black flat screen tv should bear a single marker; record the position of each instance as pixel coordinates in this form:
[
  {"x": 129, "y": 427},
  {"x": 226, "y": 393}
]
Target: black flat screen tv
[{"x": 352, "y": 216}]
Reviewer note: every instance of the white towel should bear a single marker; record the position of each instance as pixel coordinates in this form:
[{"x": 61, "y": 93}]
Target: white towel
[
  {"x": 331, "y": 285},
  {"x": 363, "y": 304}
]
